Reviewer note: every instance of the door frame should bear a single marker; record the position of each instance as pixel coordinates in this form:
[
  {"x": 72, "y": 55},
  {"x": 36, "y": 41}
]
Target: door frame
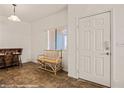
[{"x": 77, "y": 19}]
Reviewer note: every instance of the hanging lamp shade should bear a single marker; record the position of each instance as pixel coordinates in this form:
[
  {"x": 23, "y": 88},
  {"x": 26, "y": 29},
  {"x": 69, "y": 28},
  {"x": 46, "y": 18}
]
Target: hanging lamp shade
[{"x": 14, "y": 17}]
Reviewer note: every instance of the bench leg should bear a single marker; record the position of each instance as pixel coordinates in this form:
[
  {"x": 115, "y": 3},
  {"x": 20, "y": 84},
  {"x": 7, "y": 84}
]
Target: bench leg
[
  {"x": 55, "y": 73},
  {"x": 55, "y": 69}
]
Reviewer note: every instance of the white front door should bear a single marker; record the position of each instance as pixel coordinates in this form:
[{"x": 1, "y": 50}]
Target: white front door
[{"x": 94, "y": 48}]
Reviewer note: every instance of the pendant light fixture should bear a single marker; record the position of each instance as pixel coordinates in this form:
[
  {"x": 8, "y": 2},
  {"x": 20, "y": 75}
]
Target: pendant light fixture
[{"x": 14, "y": 17}]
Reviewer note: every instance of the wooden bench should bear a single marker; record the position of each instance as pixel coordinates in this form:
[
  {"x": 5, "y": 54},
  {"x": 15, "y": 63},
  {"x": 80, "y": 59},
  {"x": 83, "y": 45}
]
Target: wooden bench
[{"x": 51, "y": 60}]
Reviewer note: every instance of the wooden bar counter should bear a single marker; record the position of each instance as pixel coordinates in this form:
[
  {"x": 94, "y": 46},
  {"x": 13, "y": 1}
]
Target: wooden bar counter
[{"x": 10, "y": 57}]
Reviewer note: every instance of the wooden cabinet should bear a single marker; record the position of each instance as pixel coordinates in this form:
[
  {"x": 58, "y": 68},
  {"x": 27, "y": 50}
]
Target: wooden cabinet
[{"x": 10, "y": 57}]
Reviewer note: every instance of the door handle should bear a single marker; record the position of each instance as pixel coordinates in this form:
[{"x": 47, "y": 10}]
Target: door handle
[{"x": 107, "y": 53}]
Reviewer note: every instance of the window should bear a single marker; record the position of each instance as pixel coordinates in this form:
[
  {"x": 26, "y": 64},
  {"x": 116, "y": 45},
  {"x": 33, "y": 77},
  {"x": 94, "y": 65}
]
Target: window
[{"x": 57, "y": 39}]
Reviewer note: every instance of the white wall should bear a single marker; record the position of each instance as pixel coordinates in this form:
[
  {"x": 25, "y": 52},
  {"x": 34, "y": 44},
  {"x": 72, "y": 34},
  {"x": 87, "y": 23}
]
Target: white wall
[
  {"x": 118, "y": 38},
  {"x": 39, "y": 33},
  {"x": 15, "y": 35}
]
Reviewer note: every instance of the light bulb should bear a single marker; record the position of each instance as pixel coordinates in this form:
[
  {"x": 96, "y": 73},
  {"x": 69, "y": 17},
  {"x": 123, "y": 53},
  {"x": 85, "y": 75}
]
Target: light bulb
[{"x": 14, "y": 18}]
